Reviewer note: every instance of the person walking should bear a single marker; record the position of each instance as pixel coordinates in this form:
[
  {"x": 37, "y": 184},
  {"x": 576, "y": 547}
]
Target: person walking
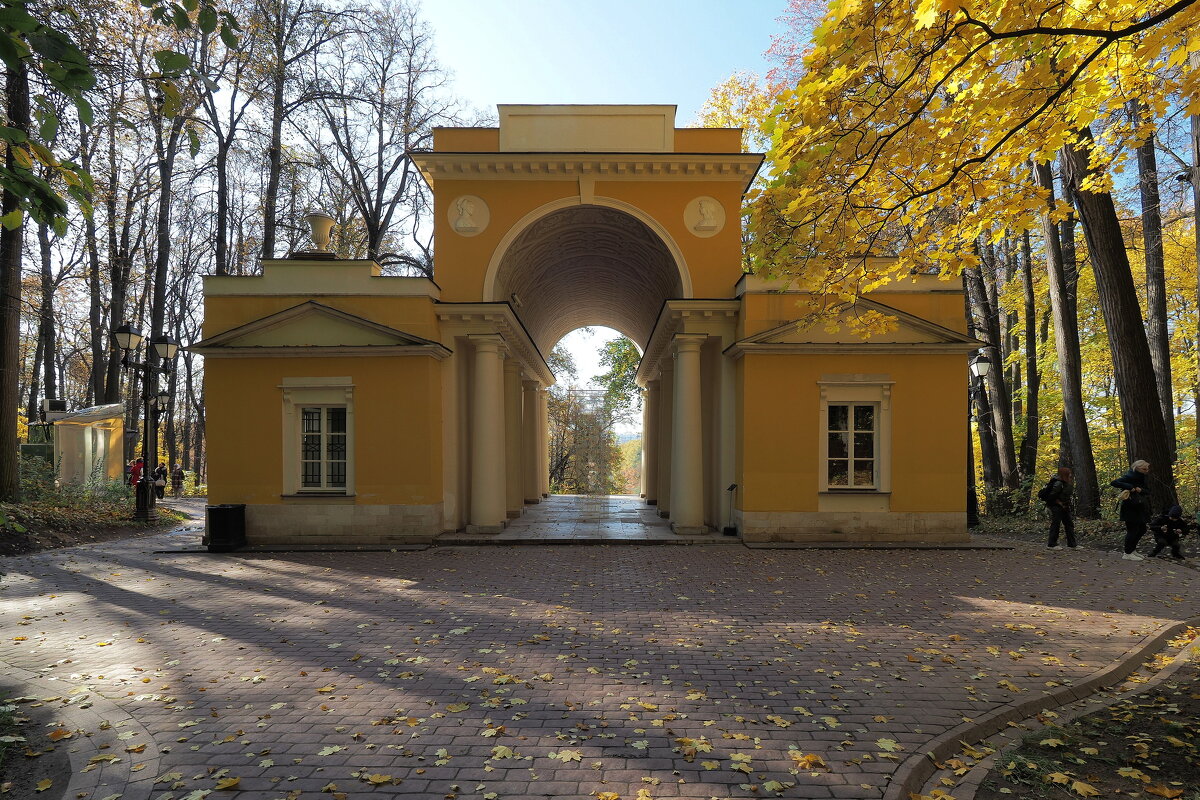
[
  {"x": 135, "y": 471},
  {"x": 1057, "y": 495},
  {"x": 1167, "y": 529},
  {"x": 1135, "y": 506},
  {"x": 177, "y": 478},
  {"x": 160, "y": 481}
]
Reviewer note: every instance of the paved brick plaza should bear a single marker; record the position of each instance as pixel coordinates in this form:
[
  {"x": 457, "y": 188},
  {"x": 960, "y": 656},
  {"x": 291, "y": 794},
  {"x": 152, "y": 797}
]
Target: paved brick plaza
[{"x": 524, "y": 672}]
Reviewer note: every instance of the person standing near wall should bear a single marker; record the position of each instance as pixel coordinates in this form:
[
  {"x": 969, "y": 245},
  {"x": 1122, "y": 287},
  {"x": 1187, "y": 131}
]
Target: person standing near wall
[{"x": 1135, "y": 506}]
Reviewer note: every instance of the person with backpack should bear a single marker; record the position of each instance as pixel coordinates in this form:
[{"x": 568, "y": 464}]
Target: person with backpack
[
  {"x": 1167, "y": 529},
  {"x": 1056, "y": 494},
  {"x": 1135, "y": 506}
]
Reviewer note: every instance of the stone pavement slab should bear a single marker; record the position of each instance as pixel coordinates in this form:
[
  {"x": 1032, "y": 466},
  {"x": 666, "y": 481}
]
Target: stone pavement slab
[{"x": 654, "y": 672}]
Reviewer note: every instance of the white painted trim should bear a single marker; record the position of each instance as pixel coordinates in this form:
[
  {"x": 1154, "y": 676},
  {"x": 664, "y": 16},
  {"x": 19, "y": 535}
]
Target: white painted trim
[
  {"x": 873, "y": 389},
  {"x": 523, "y": 224},
  {"x": 436, "y": 351},
  {"x": 315, "y": 391}
]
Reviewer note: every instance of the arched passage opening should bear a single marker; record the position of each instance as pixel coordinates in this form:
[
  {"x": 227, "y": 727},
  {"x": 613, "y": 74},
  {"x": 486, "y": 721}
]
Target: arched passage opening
[
  {"x": 587, "y": 265},
  {"x": 595, "y": 414}
]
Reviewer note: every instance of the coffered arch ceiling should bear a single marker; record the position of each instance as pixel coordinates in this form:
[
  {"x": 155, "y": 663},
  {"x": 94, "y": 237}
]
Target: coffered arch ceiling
[{"x": 587, "y": 265}]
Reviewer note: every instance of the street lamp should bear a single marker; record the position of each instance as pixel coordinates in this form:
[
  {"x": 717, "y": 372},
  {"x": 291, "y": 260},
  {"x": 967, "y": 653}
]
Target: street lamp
[
  {"x": 980, "y": 365},
  {"x": 979, "y": 368},
  {"x": 129, "y": 339}
]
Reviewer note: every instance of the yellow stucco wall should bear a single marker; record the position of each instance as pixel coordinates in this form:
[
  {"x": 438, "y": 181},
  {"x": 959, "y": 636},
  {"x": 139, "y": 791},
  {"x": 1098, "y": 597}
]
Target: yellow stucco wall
[
  {"x": 396, "y": 461},
  {"x": 780, "y": 422},
  {"x": 713, "y": 263}
]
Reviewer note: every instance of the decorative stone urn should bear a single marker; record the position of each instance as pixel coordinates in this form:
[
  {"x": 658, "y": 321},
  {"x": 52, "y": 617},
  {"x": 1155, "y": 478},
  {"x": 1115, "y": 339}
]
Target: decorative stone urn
[{"x": 321, "y": 225}]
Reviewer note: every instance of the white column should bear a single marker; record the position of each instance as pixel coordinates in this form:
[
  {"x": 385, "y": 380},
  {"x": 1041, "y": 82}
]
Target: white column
[
  {"x": 650, "y": 443},
  {"x": 487, "y": 437},
  {"x": 666, "y": 391},
  {"x": 513, "y": 486},
  {"x": 687, "y": 471},
  {"x": 544, "y": 442},
  {"x": 530, "y": 433}
]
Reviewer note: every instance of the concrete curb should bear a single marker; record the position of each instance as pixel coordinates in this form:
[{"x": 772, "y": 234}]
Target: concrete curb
[
  {"x": 104, "y": 778},
  {"x": 916, "y": 770}
]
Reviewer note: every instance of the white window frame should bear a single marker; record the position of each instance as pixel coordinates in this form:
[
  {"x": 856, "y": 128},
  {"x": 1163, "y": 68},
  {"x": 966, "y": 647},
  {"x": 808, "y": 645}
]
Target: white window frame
[
  {"x": 301, "y": 393},
  {"x": 872, "y": 390}
]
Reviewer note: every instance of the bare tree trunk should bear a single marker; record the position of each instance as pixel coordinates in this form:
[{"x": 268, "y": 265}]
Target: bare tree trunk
[
  {"x": 1029, "y": 442},
  {"x": 1156, "y": 280},
  {"x": 35, "y": 383},
  {"x": 1076, "y": 435},
  {"x": 1000, "y": 407},
  {"x": 1145, "y": 434},
  {"x": 46, "y": 326},
  {"x": 17, "y": 101}
]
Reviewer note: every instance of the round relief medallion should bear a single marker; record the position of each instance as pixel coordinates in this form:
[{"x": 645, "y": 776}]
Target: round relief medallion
[
  {"x": 468, "y": 215},
  {"x": 704, "y": 217}
]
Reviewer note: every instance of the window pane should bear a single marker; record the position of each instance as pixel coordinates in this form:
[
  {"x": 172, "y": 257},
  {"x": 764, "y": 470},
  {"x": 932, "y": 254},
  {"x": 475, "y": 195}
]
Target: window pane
[
  {"x": 337, "y": 420},
  {"x": 864, "y": 418},
  {"x": 336, "y": 448},
  {"x": 337, "y": 473},
  {"x": 312, "y": 473},
  {"x": 312, "y": 420},
  {"x": 864, "y": 445},
  {"x": 310, "y": 447},
  {"x": 864, "y": 473},
  {"x": 838, "y": 418},
  {"x": 839, "y": 445},
  {"x": 838, "y": 475}
]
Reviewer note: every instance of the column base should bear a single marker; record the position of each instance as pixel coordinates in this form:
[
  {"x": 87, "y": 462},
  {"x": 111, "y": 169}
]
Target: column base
[
  {"x": 485, "y": 528},
  {"x": 690, "y": 530},
  {"x": 664, "y": 512},
  {"x": 651, "y": 501},
  {"x": 515, "y": 514},
  {"x": 546, "y": 495},
  {"x": 532, "y": 502}
]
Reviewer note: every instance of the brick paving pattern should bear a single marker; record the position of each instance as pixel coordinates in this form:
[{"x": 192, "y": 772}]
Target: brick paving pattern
[{"x": 567, "y": 672}]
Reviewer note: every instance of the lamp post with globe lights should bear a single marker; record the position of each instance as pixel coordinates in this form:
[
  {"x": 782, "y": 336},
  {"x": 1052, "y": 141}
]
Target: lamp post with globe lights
[
  {"x": 154, "y": 404},
  {"x": 979, "y": 368}
]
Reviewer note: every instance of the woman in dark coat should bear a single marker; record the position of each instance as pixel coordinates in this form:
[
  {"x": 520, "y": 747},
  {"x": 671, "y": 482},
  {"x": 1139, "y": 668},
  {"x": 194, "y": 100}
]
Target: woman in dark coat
[{"x": 1135, "y": 506}]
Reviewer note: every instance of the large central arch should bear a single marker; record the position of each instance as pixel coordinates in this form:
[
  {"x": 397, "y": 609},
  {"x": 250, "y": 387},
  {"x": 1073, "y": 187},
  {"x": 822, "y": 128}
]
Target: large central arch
[{"x": 585, "y": 265}]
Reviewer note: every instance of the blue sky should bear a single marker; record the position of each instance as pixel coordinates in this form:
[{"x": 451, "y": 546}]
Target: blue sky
[
  {"x": 666, "y": 52},
  {"x": 605, "y": 51}
]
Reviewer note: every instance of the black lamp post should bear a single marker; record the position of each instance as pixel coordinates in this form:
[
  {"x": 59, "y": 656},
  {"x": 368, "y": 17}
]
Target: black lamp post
[
  {"x": 979, "y": 368},
  {"x": 154, "y": 404}
]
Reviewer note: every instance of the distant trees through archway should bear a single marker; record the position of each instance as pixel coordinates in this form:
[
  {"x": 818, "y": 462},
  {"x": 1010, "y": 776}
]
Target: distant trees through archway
[{"x": 594, "y": 418}]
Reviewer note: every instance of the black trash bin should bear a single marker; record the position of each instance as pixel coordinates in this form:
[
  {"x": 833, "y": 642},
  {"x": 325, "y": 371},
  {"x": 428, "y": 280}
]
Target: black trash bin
[{"x": 226, "y": 527}]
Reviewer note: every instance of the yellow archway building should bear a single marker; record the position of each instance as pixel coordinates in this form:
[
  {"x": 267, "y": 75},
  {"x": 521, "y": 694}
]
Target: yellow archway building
[{"x": 348, "y": 407}]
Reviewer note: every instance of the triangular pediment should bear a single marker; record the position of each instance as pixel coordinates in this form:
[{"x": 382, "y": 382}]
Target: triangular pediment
[
  {"x": 312, "y": 325},
  {"x": 909, "y": 333},
  {"x": 908, "y": 329}
]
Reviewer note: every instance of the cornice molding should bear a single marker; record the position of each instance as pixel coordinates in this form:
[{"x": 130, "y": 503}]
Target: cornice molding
[
  {"x": 736, "y": 167},
  {"x": 498, "y": 318},
  {"x": 672, "y": 319},
  {"x": 434, "y": 350},
  {"x": 739, "y": 349}
]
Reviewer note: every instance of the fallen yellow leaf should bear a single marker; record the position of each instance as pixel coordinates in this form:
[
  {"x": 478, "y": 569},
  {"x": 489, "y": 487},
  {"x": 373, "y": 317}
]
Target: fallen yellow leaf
[
  {"x": 228, "y": 783},
  {"x": 44, "y": 784},
  {"x": 1084, "y": 789}
]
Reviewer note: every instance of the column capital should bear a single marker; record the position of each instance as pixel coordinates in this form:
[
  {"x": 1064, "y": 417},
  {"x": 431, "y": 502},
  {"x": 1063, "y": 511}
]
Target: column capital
[
  {"x": 487, "y": 342},
  {"x": 530, "y": 385},
  {"x": 511, "y": 365},
  {"x": 688, "y": 342}
]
